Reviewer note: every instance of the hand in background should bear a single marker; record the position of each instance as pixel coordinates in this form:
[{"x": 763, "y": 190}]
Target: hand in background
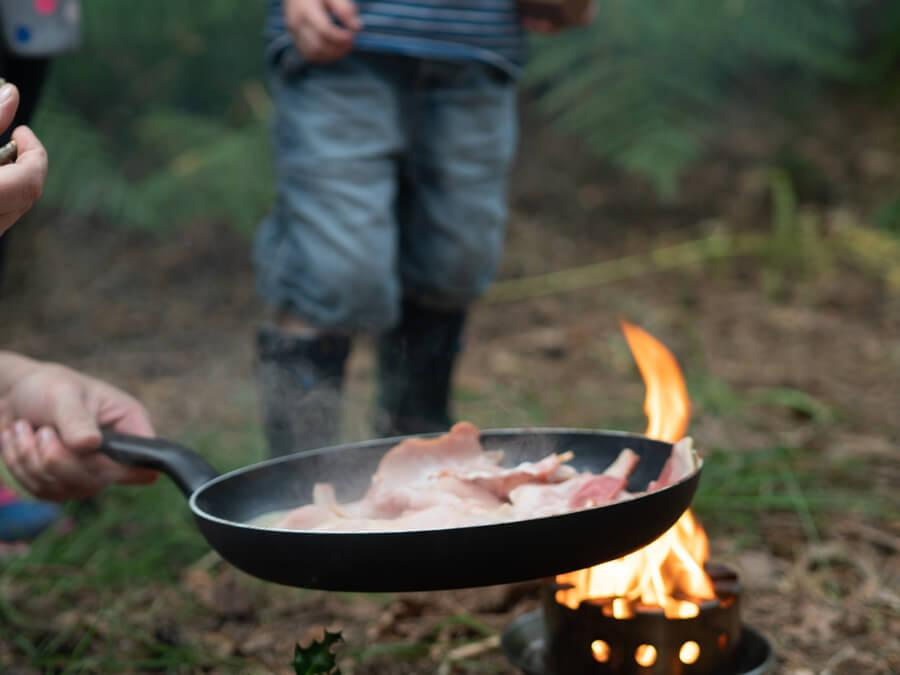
[
  {"x": 51, "y": 419},
  {"x": 21, "y": 183},
  {"x": 316, "y": 35},
  {"x": 548, "y": 27}
]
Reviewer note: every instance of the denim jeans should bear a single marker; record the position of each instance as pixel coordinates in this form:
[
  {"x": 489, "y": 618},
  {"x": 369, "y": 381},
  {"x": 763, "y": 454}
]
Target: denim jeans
[{"x": 392, "y": 174}]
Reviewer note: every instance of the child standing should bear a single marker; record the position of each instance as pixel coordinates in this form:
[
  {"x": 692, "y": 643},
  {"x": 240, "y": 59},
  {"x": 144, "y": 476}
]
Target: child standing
[{"x": 394, "y": 133}]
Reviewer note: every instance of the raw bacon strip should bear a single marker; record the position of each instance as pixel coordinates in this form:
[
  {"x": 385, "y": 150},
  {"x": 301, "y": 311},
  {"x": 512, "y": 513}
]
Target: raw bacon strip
[
  {"x": 418, "y": 459},
  {"x": 390, "y": 501},
  {"x": 596, "y": 491},
  {"x": 323, "y": 495},
  {"x": 432, "y": 518},
  {"x": 606, "y": 487},
  {"x": 539, "y": 500},
  {"x": 309, "y": 517},
  {"x": 681, "y": 463},
  {"x": 623, "y": 465},
  {"x": 409, "y": 475},
  {"x": 501, "y": 482},
  {"x": 324, "y": 509},
  {"x": 582, "y": 491}
]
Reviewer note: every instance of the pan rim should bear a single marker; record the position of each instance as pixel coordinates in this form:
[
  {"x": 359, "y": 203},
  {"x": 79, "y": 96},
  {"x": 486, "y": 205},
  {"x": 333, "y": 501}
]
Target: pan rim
[{"x": 510, "y": 431}]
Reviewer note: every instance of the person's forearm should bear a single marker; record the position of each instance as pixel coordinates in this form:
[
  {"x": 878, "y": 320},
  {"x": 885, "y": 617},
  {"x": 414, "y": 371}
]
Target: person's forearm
[{"x": 13, "y": 367}]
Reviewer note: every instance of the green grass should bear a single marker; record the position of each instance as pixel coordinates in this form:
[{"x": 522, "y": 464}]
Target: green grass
[
  {"x": 739, "y": 486},
  {"x": 126, "y": 539},
  {"x": 715, "y": 397}
]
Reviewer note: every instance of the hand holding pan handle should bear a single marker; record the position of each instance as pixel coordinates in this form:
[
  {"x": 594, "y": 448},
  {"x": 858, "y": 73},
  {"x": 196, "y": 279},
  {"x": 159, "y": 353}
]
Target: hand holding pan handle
[{"x": 185, "y": 467}]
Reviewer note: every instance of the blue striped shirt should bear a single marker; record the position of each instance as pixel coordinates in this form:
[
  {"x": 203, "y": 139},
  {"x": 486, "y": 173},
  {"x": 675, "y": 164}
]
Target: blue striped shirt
[{"x": 484, "y": 30}]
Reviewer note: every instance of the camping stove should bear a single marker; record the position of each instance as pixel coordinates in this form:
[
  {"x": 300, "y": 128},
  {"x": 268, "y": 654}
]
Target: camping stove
[{"x": 596, "y": 638}]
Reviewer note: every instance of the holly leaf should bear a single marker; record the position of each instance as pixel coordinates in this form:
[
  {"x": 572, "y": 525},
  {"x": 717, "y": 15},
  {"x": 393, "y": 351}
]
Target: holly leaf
[{"x": 317, "y": 658}]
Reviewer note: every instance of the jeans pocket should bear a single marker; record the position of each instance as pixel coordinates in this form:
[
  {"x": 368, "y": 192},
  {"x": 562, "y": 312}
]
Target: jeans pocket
[
  {"x": 285, "y": 60},
  {"x": 476, "y": 76}
]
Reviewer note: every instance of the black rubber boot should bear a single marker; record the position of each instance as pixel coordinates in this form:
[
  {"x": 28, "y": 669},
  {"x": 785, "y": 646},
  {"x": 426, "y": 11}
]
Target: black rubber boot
[
  {"x": 415, "y": 370},
  {"x": 301, "y": 381}
]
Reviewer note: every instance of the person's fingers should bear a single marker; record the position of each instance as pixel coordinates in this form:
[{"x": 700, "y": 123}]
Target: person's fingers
[
  {"x": 317, "y": 50},
  {"x": 133, "y": 418},
  {"x": 315, "y": 34},
  {"x": 318, "y": 19},
  {"x": 337, "y": 51},
  {"x": 26, "y": 448},
  {"x": 309, "y": 43},
  {"x": 11, "y": 458},
  {"x": 345, "y": 11},
  {"x": 9, "y": 103},
  {"x": 66, "y": 475},
  {"x": 8, "y": 218},
  {"x": 135, "y": 476},
  {"x": 539, "y": 26},
  {"x": 123, "y": 413},
  {"x": 27, "y": 142},
  {"x": 20, "y": 187},
  {"x": 22, "y": 183},
  {"x": 294, "y": 11},
  {"x": 6, "y": 414},
  {"x": 18, "y": 459},
  {"x": 329, "y": 52},
  {"x": 31, "y": 154},
  {"x": 73, "y": 419}
]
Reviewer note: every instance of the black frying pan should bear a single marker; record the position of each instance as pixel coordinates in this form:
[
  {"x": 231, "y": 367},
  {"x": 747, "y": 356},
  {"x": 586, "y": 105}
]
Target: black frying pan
[{"x": 420, "y": 560}]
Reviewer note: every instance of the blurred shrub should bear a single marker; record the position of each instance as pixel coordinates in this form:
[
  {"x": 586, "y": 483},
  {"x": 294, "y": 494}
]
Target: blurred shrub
[
  {"x": 161, "y": 115},
  {"x": 645, "y": 84}
]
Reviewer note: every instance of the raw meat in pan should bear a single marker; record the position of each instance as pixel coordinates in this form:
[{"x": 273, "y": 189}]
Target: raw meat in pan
[{"x": 451, "y": 481}]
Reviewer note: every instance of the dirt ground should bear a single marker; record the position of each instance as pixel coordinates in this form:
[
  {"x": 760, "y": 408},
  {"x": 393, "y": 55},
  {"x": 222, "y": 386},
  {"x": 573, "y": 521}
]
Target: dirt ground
[{"x": 172, "y": 320}]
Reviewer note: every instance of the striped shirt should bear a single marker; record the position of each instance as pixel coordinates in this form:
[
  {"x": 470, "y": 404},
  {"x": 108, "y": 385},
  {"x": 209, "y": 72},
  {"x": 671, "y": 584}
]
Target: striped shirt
[{"x": 484, "y": 30}]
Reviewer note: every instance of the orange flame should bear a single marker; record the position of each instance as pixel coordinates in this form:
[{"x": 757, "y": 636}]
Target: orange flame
[
  {"x": 667, "y": 404},
  {"x": 669, "y": 572}
]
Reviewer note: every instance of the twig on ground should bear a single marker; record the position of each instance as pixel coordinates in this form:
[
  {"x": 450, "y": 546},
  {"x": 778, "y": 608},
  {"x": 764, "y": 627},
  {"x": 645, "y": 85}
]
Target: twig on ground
[
  {"x": 870, "y": 534},
  {"x": 208, "y": 562},
  {"x": 716, "y": 246},
  {"x": 470, "y": 650},
  {"x": 841, "y": 656}
]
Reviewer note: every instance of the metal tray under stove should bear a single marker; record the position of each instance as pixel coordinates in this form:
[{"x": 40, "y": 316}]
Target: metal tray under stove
[{"x": 523, "y": 645}]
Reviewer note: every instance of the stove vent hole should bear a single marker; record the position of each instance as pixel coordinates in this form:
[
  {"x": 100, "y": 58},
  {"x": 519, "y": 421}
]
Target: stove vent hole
[
  {"x": 689, "y": 652},
  {"x": 645, "y": 655},
  {"x": 723, "y": 641},
  {"x": 600, "y": 650}
]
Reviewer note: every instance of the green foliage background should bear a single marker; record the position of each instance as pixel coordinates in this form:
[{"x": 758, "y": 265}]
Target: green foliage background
[
  {"x": 643, "y": 84},
  {"x": 161, "y": 117}
]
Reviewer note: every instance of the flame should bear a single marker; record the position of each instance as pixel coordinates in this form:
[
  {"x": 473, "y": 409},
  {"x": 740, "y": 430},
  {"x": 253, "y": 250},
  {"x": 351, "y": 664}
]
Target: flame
[
  {"x": 667, "y": 573},
  {"x": 666, "y": 404}
]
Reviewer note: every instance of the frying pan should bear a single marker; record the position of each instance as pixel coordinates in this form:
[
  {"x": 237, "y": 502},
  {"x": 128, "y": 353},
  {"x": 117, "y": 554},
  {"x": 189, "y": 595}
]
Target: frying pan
[{"x": 224, "y": 506}]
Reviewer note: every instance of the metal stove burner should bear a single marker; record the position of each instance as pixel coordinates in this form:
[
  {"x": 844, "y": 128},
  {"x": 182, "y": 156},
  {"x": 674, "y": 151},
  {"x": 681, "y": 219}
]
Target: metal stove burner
[{"x": 523, "y": 645}]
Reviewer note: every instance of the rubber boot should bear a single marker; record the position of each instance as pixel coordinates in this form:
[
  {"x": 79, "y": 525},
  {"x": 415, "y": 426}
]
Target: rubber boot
[
  {"x": 301, "y": 383},
  {"x": 415, "y": 370}
]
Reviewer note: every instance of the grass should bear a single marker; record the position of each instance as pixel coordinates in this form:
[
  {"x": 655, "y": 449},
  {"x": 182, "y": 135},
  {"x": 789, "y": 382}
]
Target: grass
[
  {"x": 738, "y": 486},
  {"x": 126, "y": 540}
]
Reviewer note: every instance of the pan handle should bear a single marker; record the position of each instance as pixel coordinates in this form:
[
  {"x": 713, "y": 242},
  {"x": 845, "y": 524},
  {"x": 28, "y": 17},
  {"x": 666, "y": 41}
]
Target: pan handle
[{"x": 188, "y": 470}]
